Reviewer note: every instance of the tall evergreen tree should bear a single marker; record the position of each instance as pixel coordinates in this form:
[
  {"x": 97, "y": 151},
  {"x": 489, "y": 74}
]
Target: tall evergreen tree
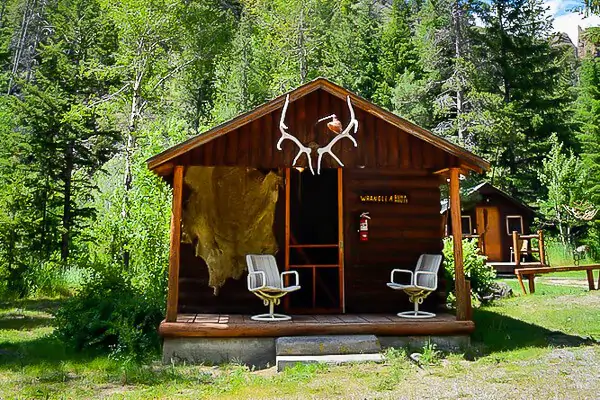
[
  {"x": 523, "y": 93},
  {"x": 59, "y": 115}
]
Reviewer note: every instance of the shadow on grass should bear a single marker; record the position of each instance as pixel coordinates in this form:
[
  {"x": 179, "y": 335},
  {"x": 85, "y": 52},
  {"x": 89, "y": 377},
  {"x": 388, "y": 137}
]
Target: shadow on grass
[
  {"x": 497, "y": 332},
  {"x": 44, "y": 305},
  {"x": 27, "y": 315}
]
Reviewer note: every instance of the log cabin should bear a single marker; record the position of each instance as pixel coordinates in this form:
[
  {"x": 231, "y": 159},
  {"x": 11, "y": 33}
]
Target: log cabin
[
  {"x": 325, "y": 180},
  {"x": 492, "y": 216}
]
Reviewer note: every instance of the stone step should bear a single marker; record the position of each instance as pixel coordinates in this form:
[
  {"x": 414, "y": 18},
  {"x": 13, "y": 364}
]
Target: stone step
[
  {"x": 326, "y": 345},
  {"x": 284, "y": 362}
]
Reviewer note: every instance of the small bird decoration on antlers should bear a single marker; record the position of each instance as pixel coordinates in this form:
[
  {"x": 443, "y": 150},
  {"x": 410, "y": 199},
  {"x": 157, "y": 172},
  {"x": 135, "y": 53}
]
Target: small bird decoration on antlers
[{"x": 335, "y": 125}]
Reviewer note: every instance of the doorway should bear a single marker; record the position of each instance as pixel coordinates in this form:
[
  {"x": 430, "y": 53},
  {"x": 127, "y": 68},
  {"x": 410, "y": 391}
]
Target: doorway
[
  {"x": 488, "y": 227},
  {"x": 314, "y": 240}
]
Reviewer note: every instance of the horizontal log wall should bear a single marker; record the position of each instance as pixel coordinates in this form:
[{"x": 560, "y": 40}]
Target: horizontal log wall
[{"x": 398, "y": 235}]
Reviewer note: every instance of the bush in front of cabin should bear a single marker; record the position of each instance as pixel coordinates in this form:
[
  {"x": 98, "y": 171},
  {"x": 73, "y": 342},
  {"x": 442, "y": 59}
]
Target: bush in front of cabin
[
  {"x": 476, "y": 270},
  {"x": 110, "y": 315}
]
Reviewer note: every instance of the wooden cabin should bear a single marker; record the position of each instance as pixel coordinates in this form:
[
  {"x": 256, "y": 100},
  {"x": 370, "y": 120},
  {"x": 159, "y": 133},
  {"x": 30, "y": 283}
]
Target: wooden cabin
[
  {"x": 394, "y": 172},
  {"x": 492, "y": 216}
]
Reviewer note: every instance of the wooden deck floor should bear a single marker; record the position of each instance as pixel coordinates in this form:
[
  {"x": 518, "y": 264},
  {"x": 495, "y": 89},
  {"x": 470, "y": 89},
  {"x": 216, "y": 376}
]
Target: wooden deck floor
[{"x": 235, "y": 325}]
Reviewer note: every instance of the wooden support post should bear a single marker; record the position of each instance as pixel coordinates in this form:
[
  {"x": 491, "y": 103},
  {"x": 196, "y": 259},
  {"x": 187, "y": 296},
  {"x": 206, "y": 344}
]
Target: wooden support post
[
  {"x": 469, "y": 305},
  {"x": 541, "y": 247},
  {"x": 286, "y": 262},
  {"x": 516, "y": 249},
  {"x": 520, "y": 278},
  {"x": 459, "y": 273},
  {"x": 531, "y": 279},
  {"x": 590, "y": 278},
  {"x": 175, "y": 245}
]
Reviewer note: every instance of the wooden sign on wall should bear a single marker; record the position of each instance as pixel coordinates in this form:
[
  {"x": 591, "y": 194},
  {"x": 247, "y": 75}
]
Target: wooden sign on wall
[{"x": 395, "y": 198}]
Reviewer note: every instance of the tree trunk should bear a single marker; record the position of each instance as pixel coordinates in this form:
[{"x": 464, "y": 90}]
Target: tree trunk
[
  {"x": 67, "y": 212},
  {"x": 458, "y": 46},
  {"x": 136, "y": 100},
  {"x": 43, "y": 241}
]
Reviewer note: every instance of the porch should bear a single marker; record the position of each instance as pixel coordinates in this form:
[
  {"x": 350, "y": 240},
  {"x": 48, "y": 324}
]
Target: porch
[{"x": 239, "y": 325}]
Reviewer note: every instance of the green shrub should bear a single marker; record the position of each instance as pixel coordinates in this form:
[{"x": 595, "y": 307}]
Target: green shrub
[
  {"x": 481, "y": 275},
  {"x": 110, "y": 315}
]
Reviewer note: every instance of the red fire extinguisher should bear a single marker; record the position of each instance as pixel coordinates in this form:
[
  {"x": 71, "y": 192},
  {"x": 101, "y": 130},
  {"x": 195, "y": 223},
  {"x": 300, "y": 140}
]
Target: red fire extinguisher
[{"x": 363, "y": 227}]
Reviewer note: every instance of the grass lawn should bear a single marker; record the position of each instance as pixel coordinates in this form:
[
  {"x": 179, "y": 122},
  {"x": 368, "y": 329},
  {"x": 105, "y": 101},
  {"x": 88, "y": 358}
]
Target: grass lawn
[{"x": 540, "y": 346}]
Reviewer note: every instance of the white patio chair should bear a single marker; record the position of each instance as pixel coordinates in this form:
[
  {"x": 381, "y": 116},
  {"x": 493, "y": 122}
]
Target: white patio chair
[
  {"x": 423, "y": 281},
  {"x": 265, "y": 281}
]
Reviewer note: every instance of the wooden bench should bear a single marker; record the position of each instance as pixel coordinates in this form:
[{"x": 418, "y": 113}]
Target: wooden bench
[{"x": 530, "y": 273}]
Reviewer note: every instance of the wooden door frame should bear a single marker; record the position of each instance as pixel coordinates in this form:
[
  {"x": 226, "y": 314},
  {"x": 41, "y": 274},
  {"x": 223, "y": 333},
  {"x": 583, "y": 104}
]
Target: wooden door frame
[
  {"x": 340, "y": 192},
  {"x": 340, "y": 195}
]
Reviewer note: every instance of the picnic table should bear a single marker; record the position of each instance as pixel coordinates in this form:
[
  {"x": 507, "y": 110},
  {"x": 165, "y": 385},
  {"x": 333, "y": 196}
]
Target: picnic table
[{"x": 530, "y": 273}]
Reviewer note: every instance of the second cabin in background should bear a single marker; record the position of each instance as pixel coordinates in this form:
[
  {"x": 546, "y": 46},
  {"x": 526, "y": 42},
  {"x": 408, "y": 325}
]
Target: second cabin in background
[{"x": 491, "y": 215}]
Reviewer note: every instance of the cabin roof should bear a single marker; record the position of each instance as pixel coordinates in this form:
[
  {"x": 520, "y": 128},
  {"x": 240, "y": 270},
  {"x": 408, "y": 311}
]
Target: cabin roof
[
  {"x": 468, "y": 159},
  {"x": 487, "y": 188}
]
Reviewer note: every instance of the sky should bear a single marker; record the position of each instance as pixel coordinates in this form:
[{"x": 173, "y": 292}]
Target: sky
[{"x": 567, "y": 20}]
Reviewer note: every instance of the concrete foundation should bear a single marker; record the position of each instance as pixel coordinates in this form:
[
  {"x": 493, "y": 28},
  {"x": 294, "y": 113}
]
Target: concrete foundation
[
  {"x": 262, "y": 352},
  {"x": 327, "y": 345},
  {"x": 257, "y": 352},
  {"x": 451, "y": 344}
]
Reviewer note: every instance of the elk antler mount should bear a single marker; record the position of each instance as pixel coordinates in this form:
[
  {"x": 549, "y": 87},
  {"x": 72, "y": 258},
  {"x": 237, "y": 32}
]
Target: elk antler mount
[{"x": 334, "y": 126}]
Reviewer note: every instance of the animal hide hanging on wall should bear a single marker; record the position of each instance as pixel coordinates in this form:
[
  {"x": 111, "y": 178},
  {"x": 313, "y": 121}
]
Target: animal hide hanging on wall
[{"x": 229, "y": 214}]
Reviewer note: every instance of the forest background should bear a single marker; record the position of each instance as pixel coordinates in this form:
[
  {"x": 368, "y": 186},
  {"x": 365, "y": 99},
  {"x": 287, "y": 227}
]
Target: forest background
[{"x": 91, "y": 88}]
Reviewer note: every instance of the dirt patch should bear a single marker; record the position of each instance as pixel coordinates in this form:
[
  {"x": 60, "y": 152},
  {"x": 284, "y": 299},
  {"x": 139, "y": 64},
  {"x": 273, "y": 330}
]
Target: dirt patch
[{"x": 565, "y": 282}]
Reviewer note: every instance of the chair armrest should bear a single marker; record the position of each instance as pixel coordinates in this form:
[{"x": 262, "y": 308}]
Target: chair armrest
[
  {"x": 288, "y": 273},
  {"x": 264, "y": 280},
  {"x": 435, "y": 279},
  {"x": 405, "y": 271}
]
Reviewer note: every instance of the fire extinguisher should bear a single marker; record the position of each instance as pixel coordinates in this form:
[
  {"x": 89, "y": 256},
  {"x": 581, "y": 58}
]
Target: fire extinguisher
[{"x": 363, "y": 227}]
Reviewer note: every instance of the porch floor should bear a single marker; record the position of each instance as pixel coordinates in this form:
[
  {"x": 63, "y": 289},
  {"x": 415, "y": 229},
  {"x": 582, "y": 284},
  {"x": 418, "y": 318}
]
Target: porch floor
[{"x": 236, "y": 325}]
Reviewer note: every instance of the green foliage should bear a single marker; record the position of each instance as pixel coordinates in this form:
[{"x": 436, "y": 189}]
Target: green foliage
[
  {"x": 92, "y": 88},
  {"x": 481, "y": 275},
  {"x": 565, "y": 178},
  {"x": 109, "y": 314},
  {"x": 430, "y": 354}
]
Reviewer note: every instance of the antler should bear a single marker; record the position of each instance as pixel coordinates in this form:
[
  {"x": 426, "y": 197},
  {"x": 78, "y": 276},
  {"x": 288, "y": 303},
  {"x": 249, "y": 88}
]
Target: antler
[
  {"x": 345, "y": 134},
  {"x": 585, "y": 212},
  {"x": 284, "y": 135}
]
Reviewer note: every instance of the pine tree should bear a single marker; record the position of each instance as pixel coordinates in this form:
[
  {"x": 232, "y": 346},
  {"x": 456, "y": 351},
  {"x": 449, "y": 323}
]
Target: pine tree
[
  {"x": 61, "y": 123},
  {"x": 522, "y": 92},
  {"x": 588, "y": 116},
  {"x": 398, "y": 54},
  {"x": 353, "y": 45}
]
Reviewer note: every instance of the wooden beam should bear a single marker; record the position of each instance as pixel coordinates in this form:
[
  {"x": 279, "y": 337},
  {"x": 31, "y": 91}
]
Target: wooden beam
[
  {"x": 462, "y": 305},
  {"x": 590, "y": 277},
  {"x": 240, "y": 326},
  {"x": 516, "y": 249},
  {"x": 541, "y": 247},
  {"x": 164, "y": 169},
  {"x": 341, "y": 237},
  {"x": 287, "y": 182},
  {"x": 175, "y": 245}
]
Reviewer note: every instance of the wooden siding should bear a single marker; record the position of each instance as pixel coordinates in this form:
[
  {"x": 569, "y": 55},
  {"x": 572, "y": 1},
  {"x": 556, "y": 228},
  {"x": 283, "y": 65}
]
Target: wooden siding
[
  {"x": 398, "y": 235},
  {"x": 380, "y": 144},
  {"x": 505, "y": 208}
]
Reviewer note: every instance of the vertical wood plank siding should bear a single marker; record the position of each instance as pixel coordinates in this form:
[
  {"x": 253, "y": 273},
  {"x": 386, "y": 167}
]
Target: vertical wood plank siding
[{"x": 380, "y": 144}]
